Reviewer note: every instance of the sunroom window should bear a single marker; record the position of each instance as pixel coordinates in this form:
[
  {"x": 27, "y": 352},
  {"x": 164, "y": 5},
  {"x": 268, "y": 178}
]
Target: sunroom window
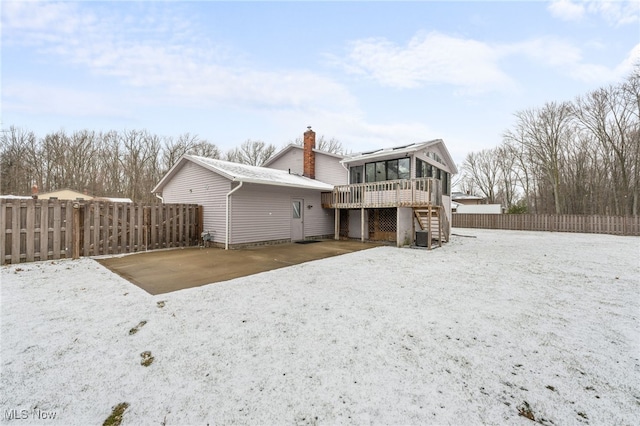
[
  {"x": 388, "y": 170},
  {"x": 355, "y": 174},
  {"x": 424, "y": 169}
]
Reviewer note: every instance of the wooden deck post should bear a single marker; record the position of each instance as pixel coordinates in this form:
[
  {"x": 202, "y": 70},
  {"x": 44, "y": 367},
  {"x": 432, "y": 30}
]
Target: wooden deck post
[
  {"x": 429, "y": 236},
  {"x": 362, "y": 224},
  {"x": 336, "y": 225}
]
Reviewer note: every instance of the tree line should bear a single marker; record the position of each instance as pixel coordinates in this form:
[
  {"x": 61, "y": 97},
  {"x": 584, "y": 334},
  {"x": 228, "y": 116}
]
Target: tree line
[
  {"x": 578, "y": 157},
  {"x": 111, "y": 164}
]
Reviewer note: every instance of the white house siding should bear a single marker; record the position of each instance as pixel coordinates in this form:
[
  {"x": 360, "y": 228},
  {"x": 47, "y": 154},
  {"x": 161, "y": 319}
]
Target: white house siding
[
  {"x": 317, "y": 221},
  {"x": 480, "y": 208},
  {"x": 446, "y": 202},
  {"x": 420, "y": 155},
  {"x": 197, "y": 185},
  {"x": 329, "y": 170},
  {"x": 263, "y": 213},
  {"x": 291, "y": 160}
]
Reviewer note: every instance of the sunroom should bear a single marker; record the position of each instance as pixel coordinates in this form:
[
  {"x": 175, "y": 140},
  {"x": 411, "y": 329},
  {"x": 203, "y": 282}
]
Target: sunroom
[{"x": 397, "y": 194}]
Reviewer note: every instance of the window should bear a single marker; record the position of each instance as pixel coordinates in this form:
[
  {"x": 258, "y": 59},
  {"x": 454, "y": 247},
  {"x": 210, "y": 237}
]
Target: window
[
  {"x": 297, "y": 206},
  {"x": 392, "y": 170},
  {"x": 355, "y": 174},
  {"x": 424, "y": 169},
  {"x": 381, "y": 171},
  {"x": 446, "y": 183},
  {"x": 370, "y": 170},
  {"x": 404, "y": 168},
  {"x": 388, "y": 170}
]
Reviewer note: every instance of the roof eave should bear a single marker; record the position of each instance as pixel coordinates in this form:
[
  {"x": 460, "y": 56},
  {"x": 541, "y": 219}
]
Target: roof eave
[{"x": 285, "y": 184}]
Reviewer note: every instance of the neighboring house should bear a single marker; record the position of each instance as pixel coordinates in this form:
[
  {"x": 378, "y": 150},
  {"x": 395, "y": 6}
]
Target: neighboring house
[
  {"x": 303, "y": 193},
  {"x": 69, "y": 194},
  {"x": 15, "y": 197},
  {"x": 467, "y": 203},
  {"x": 394, "y": 192},
  {"x": 467, "y": 199},
  {"x": 479, "y": 209},
  {"x": 64, "y": 194}
]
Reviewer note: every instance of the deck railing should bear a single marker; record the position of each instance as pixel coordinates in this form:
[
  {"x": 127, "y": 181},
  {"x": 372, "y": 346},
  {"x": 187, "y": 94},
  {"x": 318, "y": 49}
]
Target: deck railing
[{"x": 420, "y": 192}]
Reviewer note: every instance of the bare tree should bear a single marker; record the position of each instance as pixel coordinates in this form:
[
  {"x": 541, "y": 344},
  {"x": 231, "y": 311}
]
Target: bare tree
[
  {"x": 332, "y": 145},
  {"x": 612, "y": 115},
  {"x": 544, "y": 134},
  {"x": 507, "y": 175},
  {"x": 139, "y": 159},
  {"x": 254, "y": 153},
  {"x": 186, "y": 144},
  {"x": 18, "y": 171},
  {"x": 482, "y": 169}
]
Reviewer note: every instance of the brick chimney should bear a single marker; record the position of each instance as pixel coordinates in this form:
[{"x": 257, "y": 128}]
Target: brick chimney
[
  {"x": 34, "y": 191},
  {"x": 309, "y": 157}
]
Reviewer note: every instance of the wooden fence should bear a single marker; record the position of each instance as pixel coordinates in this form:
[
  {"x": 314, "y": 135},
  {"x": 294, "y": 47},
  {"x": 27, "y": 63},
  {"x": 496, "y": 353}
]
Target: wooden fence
[
  {"x": 33, "y": 230},
  {"x": 591, "y": 224}
]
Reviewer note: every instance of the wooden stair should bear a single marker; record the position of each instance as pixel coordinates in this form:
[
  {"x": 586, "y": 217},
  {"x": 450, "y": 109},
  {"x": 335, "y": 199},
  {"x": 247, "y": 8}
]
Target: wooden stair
[{"x": 431, "y": 220}]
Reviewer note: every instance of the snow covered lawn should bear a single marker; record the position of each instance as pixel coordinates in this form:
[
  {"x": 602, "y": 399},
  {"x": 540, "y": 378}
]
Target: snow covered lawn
[{"x": 486, "y": 330}]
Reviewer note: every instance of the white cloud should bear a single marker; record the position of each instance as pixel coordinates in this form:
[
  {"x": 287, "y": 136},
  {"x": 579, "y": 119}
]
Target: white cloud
[
  {"x": 167, "y": 55},
  {"x": 429, "y": 58},
  {"x": 26, "y": 97},
  {"x": 471, "y": 66},
  {"x": 549, "y": 51},
  {"x": 615, "y": 13},
  {"x": 567, "y": 10},
  {"x": 568, "y": 59}
]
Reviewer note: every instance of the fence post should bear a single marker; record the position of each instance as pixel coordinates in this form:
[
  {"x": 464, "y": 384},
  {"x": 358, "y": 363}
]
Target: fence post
[
  {"x": 147, "y": 226},
  {"x": 3, "y": 230},
  {"x": 75, "y": 254}
]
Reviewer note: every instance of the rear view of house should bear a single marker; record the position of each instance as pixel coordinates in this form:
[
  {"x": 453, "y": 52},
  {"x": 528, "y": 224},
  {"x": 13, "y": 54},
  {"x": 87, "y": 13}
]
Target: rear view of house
[
  {"x": 396, "y": 194},
  {"x": 247, "y": 204}
]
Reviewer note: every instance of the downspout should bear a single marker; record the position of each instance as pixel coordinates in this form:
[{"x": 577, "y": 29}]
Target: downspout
[
  {"x": 159, "y": 197},
  {"x": 226, "y": 231}
]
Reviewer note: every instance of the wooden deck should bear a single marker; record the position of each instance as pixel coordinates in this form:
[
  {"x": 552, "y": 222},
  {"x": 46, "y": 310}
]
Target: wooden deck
[{"x": 420, "y": 192}]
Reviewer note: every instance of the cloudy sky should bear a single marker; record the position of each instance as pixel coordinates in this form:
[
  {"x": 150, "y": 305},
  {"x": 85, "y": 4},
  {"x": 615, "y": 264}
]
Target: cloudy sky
[{"x": 371, "y": 74}]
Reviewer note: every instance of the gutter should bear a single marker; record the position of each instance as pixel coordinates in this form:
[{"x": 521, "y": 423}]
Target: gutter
[{"x": 226, "y": 231}]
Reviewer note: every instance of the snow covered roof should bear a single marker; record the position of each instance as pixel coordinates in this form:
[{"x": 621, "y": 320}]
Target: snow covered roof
[
  {"x": 115, "y": 199},
  {"x": 244, "y": 173},
  {"x": 15, "y": 197},
  {"x": 404, "y": 149},
  {"x": 463, "y": 196}
]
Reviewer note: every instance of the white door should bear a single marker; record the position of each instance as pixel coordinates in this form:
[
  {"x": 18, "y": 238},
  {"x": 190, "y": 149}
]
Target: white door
[{"x": 297, "y": 219}]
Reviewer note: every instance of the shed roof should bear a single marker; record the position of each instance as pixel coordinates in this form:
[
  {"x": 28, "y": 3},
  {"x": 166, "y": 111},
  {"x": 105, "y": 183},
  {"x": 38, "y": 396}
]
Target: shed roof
[{"x": 244, "y": 173}]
